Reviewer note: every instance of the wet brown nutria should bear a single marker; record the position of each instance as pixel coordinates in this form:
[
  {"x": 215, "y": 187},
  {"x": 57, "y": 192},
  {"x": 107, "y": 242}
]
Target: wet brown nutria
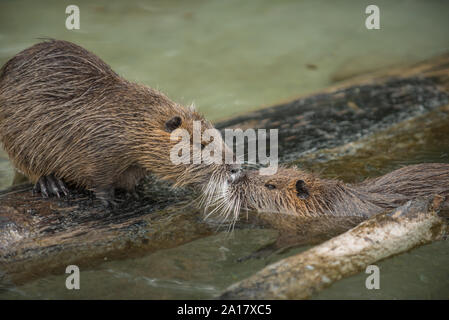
[
  {"x": 67, "y": 117},
  {"x": 297, "y": 193}
]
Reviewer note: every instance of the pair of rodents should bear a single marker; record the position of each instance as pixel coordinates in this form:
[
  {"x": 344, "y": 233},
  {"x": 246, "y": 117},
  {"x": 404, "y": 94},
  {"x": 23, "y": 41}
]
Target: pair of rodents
[{"x": 67, "y": 117}]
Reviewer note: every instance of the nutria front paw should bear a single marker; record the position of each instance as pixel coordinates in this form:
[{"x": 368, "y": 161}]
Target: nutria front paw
[{"x": 50, "y": 186}]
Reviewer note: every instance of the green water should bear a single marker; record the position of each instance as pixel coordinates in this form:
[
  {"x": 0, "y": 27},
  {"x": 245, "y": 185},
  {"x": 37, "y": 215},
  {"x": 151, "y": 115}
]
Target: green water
[{"x": 230, "y": 57}]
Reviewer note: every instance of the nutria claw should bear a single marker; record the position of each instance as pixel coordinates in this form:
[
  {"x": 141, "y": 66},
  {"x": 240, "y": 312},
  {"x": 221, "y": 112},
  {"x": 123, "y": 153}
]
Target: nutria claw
[{"x": 50, "y": 186}]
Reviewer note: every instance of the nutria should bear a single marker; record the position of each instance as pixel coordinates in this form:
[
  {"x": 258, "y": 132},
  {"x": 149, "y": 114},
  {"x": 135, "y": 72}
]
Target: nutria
[
  {"x": 307, "y": 209},
  {"x": 67, "y": 118},
  {"x": 298, "y": 193}
]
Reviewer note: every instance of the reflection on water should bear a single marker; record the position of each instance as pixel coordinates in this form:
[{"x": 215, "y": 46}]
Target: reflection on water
[{"x": 230, "y": 57}]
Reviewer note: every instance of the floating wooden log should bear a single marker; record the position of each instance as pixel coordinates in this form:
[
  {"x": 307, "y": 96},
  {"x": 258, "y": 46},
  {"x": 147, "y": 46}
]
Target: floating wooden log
[{"x": 39, "y": 236}]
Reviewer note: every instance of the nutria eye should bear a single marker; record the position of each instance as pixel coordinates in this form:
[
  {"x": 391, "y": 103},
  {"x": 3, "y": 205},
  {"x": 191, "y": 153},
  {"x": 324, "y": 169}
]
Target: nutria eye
[
  {"x": 173, "y": 124},
  {"x": 301, "y": 190},
  {"x": 270, "y": 186}
]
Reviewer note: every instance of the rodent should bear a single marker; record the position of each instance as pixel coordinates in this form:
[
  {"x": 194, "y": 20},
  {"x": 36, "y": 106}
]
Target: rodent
[
  {"x": 307, "y": 209},
  {"x": 67, "y": 117},
  {"x": 293, "y": 192}
]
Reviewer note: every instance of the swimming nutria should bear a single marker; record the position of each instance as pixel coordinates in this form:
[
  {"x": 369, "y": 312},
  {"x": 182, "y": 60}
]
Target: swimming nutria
[
  {"x": 67, "y": 117},
  {"x": 295, "y": 192}
]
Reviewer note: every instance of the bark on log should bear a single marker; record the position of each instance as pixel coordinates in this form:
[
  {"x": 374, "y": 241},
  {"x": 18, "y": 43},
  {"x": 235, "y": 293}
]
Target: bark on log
[
  {"x": 298, "y": 277},
  {"x": 40, "y": 235}
]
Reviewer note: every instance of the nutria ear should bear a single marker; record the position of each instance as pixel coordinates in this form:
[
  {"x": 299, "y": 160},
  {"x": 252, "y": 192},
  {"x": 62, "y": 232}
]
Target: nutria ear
[
  {"x": 173, "y": 123},
  {"x": 301, "y": 190}
]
